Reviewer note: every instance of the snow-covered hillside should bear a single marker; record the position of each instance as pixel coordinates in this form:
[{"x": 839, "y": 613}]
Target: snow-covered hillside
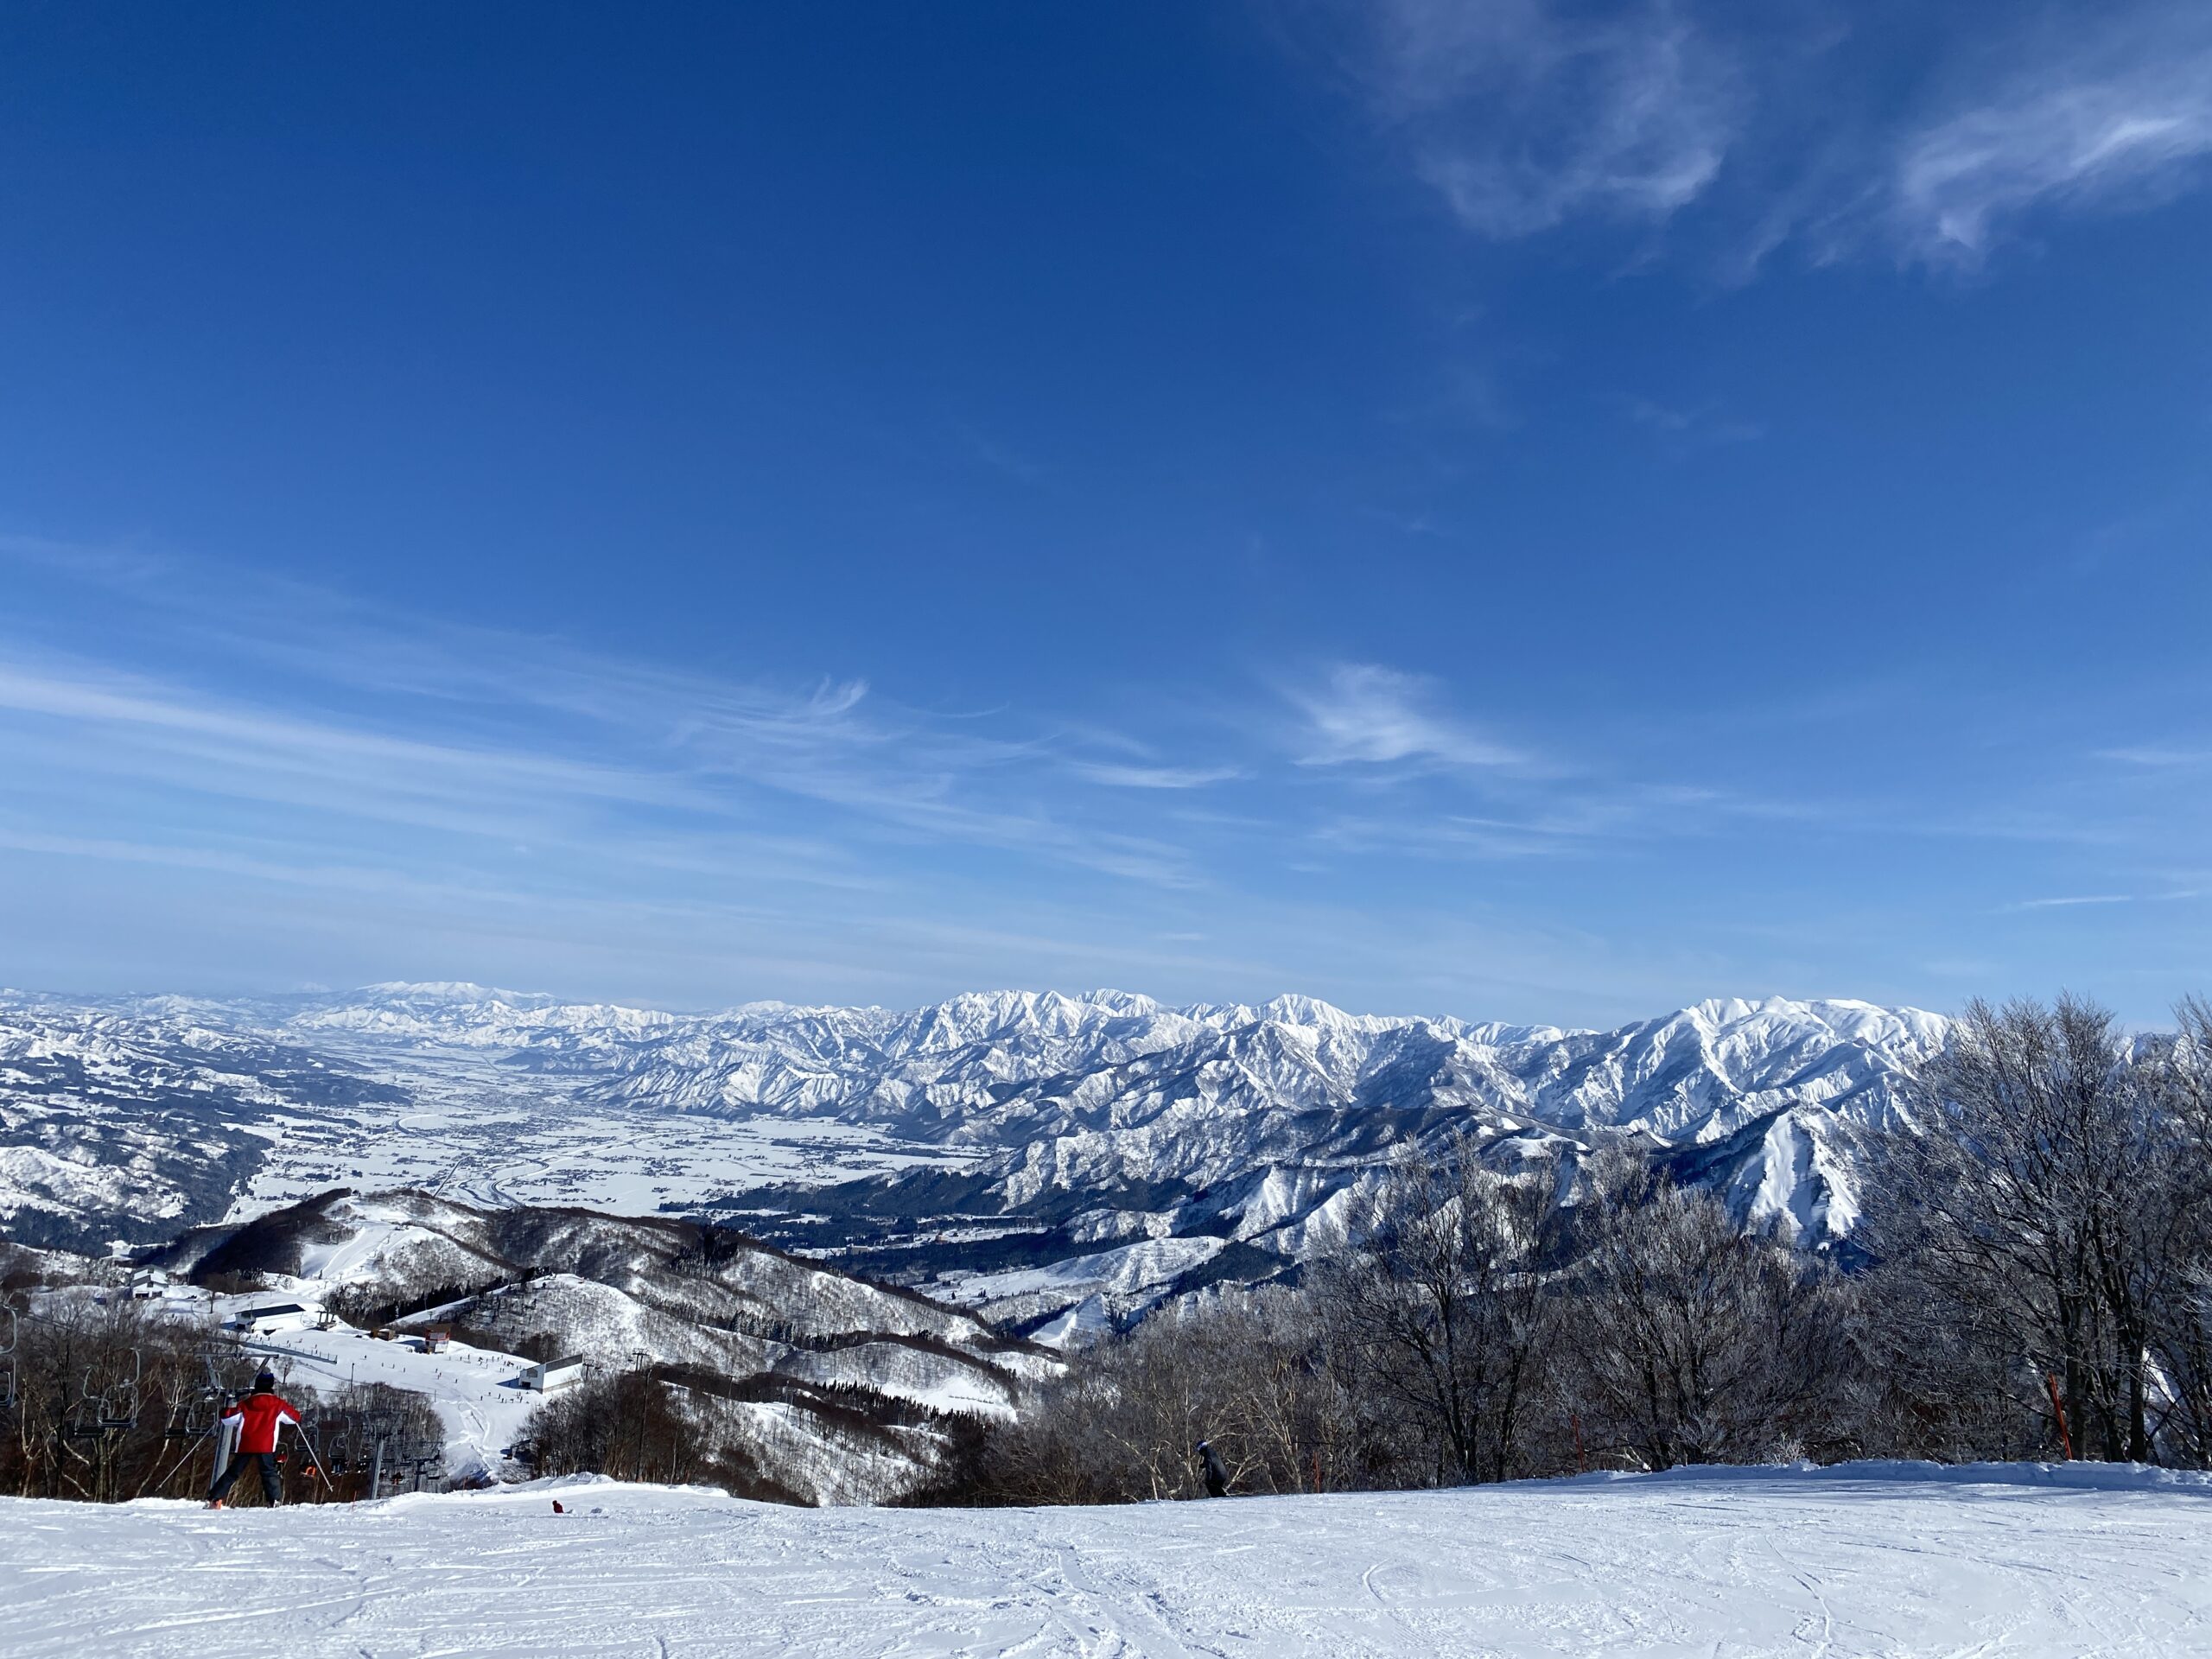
[
  {"x": 988, "y": 1136},
  {"x": 130, "y": 1123},
  {"x": 1861, "y": 1560},
  {"x": 778, "y": 1349}
]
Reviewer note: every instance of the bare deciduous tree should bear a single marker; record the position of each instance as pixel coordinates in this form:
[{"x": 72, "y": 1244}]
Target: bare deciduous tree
[
  {"x": 2181, "y": 1334},
  {"x": 1691, "y": 1341},
  {"x": 2041, "y": 1223},
  {"x": 1443, "y": 1300}
]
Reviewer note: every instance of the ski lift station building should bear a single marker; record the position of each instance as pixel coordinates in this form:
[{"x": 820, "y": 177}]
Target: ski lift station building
[
  {"x": 552, "y": 1374},
  {"x": 277, "y": 1316}
]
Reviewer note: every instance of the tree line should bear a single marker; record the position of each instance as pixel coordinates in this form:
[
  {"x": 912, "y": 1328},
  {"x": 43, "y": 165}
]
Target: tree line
[{"x": 2035, "y": 1282}]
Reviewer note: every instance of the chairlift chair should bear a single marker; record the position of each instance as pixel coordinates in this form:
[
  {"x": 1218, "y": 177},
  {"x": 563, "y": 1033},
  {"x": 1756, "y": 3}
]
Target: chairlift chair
[
  {"x": 123, "y": 1414},
  {"x": 108, "y": 1410},
  {"x": 205, "y": 1408},
  {"x": 82, "y": 1420},
  {"x": 203, "y": 1411}
]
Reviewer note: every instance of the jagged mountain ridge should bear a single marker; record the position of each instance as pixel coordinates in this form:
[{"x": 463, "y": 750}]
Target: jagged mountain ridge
[
  {"x": 1051, "y": 1128},
  {"x": 977, "y": 1065},
  {"x": 1110, "y": 1089}
]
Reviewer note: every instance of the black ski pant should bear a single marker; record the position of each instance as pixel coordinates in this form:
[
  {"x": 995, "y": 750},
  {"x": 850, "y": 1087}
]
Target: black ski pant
[{"x": 271, "y": 1488}]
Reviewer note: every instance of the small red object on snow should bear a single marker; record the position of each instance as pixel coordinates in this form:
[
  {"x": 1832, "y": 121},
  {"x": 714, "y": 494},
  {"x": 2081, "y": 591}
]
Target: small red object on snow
[{"x": 557, "y": 1510}]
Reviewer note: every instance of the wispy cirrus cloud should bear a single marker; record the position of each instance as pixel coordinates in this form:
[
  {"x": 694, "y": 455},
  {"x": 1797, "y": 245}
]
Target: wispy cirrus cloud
[
  {"x": 1524, "y": 113},
  {"x": 1682, "y": 432},
  {"x": 1363, "y": 713},
  {"x": 1528, "y": 115},
  {"x": 2106, "y": 117},
  {"x": 1449, "y": 837},
  {"x": 473, "y": 745},
  {"x": 338, "y": 714},
  {"x": 656, "y": 761},
  {"x": 1118, "y": 776},
  {"x": 2072, "y": 901},
  {"x": 2158, "y": 757}
]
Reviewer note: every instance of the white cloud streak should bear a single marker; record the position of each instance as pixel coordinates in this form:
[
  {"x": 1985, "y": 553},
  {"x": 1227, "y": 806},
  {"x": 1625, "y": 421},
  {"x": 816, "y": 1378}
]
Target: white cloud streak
[
  {"x": 1367, "y": 714},
  {"x": 1129, "y": 776},
  {"x": 2159, "y": 759},
  {"x": 516, "y": 741},
  {"x": 2081, "y": 129},
  {"x": 2173, "y": 896},
  {"x": 1528, "y": 115},
  {"x": 1523, "y": 113}
]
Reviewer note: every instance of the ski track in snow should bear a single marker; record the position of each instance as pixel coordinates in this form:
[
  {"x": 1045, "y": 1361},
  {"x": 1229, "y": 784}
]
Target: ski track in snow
[{"x": 1867, "y": 1560}]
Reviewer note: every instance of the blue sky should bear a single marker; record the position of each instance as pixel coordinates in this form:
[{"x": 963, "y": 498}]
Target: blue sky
[{"x": 1517, "y": 510}]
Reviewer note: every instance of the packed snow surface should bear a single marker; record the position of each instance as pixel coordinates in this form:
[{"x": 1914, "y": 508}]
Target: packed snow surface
[{"x": 1862, "y": 1560}]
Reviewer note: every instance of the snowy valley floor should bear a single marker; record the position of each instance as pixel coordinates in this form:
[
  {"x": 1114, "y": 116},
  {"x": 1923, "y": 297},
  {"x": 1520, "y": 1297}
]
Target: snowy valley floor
[{"x": 1869, "y": 1559}]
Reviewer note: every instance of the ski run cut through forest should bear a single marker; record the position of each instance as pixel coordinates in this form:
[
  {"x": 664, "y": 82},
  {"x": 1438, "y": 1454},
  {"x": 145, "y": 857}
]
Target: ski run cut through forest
[{"x": 1864, "y": 1559}]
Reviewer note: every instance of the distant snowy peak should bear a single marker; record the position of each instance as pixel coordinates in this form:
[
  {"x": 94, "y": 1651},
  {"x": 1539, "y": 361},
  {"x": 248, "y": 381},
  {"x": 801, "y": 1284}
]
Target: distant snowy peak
[
  {"x": 1742, "y": 1045},
  {"x": 975, "y": 1011},
  {"x": 1852, "y": 1020},
  {"x": 1252, "y": 1119},
  {"x": 1713, "y": 1066},
  {"x": 433, "y": 991},
  {"x": 467, "y": 1015},
  {"x": 1007, "y": 1067}
]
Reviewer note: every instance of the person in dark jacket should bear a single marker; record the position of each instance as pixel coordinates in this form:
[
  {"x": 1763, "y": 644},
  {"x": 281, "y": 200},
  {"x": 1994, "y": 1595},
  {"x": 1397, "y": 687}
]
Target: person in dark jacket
[
  {"x": 1216, "y": 1473},
  {"x": 258, "y": 1418}
]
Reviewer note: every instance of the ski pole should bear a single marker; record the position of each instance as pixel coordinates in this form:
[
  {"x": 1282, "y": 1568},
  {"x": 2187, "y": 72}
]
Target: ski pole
[
  {"x": 190, "y": 1452},
  {"x": 316, "y": 1451}
]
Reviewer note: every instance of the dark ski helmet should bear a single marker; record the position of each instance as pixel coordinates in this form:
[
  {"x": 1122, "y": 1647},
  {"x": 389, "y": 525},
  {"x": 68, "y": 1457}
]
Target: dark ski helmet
[{"x": 266, "y": 1380}]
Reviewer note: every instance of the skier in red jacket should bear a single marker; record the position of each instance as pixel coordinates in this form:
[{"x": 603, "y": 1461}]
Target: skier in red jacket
[{"x": 256, "y": 1418}]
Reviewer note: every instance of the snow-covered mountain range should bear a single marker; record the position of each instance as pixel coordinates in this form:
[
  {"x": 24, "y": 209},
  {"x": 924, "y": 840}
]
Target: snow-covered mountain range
[
  {"x": 1046, "y": 1158},
  {"x": 134, "y": 1120}
]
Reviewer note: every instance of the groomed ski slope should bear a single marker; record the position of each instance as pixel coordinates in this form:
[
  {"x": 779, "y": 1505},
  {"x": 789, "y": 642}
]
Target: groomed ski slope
[{"x": 1868, "y": 1559}]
